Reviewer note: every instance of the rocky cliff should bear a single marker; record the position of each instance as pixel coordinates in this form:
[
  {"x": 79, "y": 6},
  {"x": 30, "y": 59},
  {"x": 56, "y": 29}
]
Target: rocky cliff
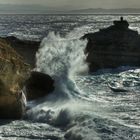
[
  {"x": 114, "y": 46},
  {"x": 26, "y": 48},
  {"x": 13, "y": 73}
]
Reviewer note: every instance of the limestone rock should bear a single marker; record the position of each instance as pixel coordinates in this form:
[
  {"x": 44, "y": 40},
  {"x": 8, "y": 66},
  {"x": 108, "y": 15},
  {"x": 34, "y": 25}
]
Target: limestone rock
[
  {"x": 26, "y": 48},
  {"x": 13, "y": 73}
]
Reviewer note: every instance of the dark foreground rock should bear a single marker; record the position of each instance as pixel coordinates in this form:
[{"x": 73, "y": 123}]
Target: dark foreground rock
[
  {"x": 38, "y": 85},
  {"x": 13, "y": 73},
  {"x": 112, "y": 47},
  {"x": 12, "y": 106}
]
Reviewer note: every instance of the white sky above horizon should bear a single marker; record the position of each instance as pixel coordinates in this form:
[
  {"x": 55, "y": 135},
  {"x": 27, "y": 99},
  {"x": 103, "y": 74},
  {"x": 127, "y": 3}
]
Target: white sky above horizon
[{"x": 78, "y": 4}]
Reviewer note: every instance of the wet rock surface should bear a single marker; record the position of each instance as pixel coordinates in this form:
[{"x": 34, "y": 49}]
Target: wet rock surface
[{"x": 38, "y": 85}]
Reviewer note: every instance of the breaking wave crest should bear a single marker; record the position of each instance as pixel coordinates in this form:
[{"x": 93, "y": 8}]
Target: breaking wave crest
[{"x": 62, "y": 59}]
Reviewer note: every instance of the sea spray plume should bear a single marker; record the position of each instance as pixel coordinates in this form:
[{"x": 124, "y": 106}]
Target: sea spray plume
[
  {"x": 62, "y": 58},
  {"x": 59, "y": 56}
]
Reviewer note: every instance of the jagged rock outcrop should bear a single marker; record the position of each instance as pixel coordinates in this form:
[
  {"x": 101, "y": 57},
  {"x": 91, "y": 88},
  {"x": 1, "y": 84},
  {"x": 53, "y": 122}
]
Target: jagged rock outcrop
[
  {"x": 112, "y": 47},
  {"x": 13, "y": 73},
  {"x": 38, "y": 85}
]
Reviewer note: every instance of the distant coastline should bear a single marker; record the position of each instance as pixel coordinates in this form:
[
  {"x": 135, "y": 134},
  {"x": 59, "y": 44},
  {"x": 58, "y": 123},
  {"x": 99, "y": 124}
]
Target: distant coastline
[
  {"x": 35, "y": 9},
  {"x": 107, "y": 11}
]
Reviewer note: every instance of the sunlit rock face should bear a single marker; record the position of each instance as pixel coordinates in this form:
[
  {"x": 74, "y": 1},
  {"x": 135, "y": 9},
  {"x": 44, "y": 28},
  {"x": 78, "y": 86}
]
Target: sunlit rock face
[
  {"x": 26, "y": 48},
  {"x": 13, "y": 73},
  {"x": 114, "y": 46}
]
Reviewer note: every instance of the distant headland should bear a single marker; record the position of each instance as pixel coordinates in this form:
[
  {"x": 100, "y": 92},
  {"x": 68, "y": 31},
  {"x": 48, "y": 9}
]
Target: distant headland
[
  {"x": 40, "y": 9},
  {"x": 106, "y": 11}
]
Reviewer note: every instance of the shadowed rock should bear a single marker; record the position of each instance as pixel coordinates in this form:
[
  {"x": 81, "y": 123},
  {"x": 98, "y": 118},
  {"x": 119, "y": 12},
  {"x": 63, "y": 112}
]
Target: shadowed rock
[
  {"x": 118, "y": 89},
  {"x": 12, "y": 106},
  {"x": 38, "y": 85},
  {"x": 112, "y": 47}
]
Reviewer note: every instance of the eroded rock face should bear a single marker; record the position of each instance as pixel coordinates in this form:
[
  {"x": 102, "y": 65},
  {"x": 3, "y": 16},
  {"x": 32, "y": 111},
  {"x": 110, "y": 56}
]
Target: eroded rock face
[
  {"x": 13, "y": 73},
  {"x": 26, "y": 48},
  {"x": 38, "y": 85},
  {"x": 114, "y": 46}
]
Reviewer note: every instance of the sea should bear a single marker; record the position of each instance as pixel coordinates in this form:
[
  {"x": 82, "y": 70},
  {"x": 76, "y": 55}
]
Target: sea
[{"x": 82, "y": 106}]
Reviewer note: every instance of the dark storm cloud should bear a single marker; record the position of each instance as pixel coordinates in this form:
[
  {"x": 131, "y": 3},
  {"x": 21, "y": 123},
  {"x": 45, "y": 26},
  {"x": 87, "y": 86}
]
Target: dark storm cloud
[{"x": 73, "y": 4}]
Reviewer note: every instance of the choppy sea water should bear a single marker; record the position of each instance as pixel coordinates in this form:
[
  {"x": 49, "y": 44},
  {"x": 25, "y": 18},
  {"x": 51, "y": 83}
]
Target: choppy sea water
[
  {"x": 38, "y": 26},
  {"x": 83, "y": 106}
]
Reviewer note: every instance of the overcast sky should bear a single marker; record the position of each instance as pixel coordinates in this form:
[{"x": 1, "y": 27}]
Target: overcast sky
[{"x": 78, "y": 4}]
